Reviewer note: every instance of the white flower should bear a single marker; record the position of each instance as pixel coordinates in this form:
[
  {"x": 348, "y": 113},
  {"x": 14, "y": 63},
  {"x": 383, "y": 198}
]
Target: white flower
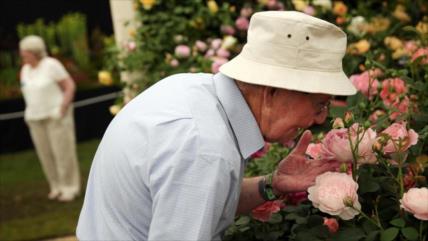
[
  {"x": 325, "y": 4},
  {"x": 357, "y": 26}
]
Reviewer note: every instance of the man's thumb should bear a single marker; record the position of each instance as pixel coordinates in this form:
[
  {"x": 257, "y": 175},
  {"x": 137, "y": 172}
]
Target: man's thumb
[{"x": 303, "y": 143}]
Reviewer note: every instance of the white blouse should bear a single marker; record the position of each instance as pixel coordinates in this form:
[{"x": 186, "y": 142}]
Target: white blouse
[{"x": 42, "y": 94}]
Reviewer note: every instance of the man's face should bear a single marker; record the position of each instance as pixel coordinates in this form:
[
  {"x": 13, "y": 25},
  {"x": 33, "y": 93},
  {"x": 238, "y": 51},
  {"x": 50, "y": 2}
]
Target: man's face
[{"x": 285, "y": 112}]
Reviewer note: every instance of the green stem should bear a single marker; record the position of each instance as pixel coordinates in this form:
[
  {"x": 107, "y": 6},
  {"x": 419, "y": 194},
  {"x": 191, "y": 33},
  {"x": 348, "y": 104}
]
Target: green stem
[
  {"x": 421, "y": 227},
  {"x": 369, "y": 218}
]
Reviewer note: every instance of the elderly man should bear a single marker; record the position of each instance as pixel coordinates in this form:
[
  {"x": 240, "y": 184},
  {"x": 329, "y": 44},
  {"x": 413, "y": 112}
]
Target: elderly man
[{"x": 170, "y": 165}]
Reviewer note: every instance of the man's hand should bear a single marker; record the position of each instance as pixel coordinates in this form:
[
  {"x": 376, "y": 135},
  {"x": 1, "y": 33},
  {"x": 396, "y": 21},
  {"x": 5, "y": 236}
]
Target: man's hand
[{"x": 296, "y": 172}]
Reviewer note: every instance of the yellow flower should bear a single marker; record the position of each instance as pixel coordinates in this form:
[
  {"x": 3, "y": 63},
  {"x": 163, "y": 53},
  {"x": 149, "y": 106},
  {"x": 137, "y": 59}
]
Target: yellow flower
[
  {"x": 299, "y": 5},
  {"x": 114, "y": 109},
  {"x": 198, "y": 23},
  {"x": 148, "y": 4},
  {"x": 132, "y": 32},
  {"x": 393, "y": 43},
  {"x": 340, "y": 8},
  {"x": 212, "y": 6},
  {"x": 104, "y": 77},
  {"x": 359, "y": 47},
  {"x": 263, "y": 2},
  {"x": 398, "y": 53},
  {"x": 400, "y": 13},
  {"x": 377, "y": 24},
  {"x": 422, "y": 27},
  {"x": 228, "y": 42}
]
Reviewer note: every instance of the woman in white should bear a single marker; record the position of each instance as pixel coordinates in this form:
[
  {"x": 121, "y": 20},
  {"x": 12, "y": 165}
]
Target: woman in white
[{"x": 48, "y": 91}]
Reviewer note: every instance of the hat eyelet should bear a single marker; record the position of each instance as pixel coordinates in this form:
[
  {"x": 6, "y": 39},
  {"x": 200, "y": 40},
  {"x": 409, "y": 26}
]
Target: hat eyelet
[
  {"x": 307, "y": 37},
  {"x": 289, "y": 35}
]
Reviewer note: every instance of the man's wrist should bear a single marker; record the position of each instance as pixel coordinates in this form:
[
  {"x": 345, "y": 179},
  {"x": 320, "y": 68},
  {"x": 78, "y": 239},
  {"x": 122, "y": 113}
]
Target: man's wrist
[{"x": 266, "y": 189}]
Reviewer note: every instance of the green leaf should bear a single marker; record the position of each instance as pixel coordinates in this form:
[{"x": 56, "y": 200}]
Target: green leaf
[
  {"x": 348, "y": 234},
  {"x": 399, "y": 222},
  {"x": 276, "y": 218},
  {"x": 389, "y": 234},
  {"x": 373, "y": 236},
  {"x": 410, "y": 233},
  {"x": 243, "y": 220}
]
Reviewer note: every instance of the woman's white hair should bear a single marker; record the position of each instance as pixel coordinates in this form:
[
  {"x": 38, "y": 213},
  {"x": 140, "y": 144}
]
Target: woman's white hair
[{"x": 33, "y": 44}]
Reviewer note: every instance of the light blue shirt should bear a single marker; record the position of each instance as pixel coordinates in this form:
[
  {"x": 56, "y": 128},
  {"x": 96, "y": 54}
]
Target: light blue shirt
[{"x": 171, "y": 163}]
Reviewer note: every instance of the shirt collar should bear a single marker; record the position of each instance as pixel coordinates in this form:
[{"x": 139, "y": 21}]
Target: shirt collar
[{"x": 241, "y": 118}]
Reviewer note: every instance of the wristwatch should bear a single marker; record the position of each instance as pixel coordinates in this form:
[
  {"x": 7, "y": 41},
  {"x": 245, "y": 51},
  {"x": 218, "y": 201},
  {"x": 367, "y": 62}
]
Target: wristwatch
[{"x": 266, "y": 189}]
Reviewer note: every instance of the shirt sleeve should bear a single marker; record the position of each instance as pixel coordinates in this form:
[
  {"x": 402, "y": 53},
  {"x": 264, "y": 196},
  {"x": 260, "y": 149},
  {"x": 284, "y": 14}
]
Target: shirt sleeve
[
  {"x": 189, "y": 192},
  {"x": 57, "y": 70}
]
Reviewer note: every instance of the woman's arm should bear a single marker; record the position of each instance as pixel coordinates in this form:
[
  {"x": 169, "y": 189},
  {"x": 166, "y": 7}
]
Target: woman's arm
[{"x": 68, "y": 88}]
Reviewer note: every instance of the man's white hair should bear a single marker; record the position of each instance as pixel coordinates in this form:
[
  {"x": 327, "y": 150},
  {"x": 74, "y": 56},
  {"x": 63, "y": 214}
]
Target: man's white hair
[{"x": 33, "y": 44}]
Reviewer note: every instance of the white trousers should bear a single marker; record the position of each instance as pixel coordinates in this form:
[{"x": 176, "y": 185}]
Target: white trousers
[{"x": 55, "y": 143}]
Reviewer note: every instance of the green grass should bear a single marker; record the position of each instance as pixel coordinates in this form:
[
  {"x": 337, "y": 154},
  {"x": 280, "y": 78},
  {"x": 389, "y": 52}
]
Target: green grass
[{"x": 25, "y": 211}]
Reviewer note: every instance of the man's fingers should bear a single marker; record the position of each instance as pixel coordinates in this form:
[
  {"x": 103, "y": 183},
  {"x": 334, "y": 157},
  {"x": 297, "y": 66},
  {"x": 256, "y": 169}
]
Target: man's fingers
[{"x": 303, "y": 143}]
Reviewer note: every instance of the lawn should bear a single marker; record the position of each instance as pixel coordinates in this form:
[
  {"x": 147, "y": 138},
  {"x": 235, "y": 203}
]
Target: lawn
[{"x": 25, "y": 211}]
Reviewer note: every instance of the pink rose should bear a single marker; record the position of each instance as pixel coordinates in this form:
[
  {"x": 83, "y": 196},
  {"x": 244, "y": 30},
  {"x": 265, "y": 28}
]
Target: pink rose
[
  {"x": 399, "y": 107},
  {"x": 209, "y": 53},
  {"x": 415, "y": 201},
  {"x": 131, "y": 46},
  {"x": 309, "y": 10},
  {"x": 410, "y": 46},
  {"x": 227, "y": 29},
  {"x": 392, "y": 89},
  {"x": 174, "y": 63},
  {"x": 242, "y": 23},
  {"x": 365, "y": 83},
  {"x": 262, "y": 152},
  {"x": 316, "y": 151},
  {"x": 201, "y": 46},
  {"x": 423, "y": 53},
  {"x": 264, "y": 212},
  {"x": 246, "y": 12},
  {"x": 336, "y": 144},
  {"x": 375, "y": 115},
  {"x": 401, "y": 138},
  {"x": 331, "y": 224},
  {"x": 216, "y": 43},
  {"x": 224, "y": 53},
  {"x": 182, "y": 51},
  {"x": 215, "y": 66},
  {"x": 335, "y": 193}
]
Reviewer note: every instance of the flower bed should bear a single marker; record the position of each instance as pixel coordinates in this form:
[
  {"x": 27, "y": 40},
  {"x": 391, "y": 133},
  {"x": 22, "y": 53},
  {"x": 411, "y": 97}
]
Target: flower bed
[{"x": 380, "y": 135}]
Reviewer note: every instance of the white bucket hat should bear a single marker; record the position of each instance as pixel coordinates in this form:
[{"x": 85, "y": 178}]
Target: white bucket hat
[{"x": 292, "y": 50}]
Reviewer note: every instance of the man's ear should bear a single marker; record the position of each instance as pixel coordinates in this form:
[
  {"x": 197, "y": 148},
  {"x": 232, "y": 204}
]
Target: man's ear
[{"x": 268, "y": 95}]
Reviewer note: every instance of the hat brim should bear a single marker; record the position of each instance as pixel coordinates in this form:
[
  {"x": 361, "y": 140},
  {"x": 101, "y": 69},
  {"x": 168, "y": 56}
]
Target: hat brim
[{"x": 245, "y": 70}]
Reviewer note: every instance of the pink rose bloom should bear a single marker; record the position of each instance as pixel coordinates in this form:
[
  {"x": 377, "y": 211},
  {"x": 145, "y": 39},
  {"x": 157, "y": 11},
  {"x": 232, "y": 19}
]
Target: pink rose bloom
[
  {"x": 174, "y": 63},
  {"x": 399, "y": 135},
  {"x": 316, "y": 151},
  {"x": 331, "y": 224},
  {"x": 271, "y": 4},
  {"x": 201, "y": 46},
  {"x": 182, "y": 51},
  {"x": 227, "y": 29},
  {"x": 216, "y": 43},
  {"x": 336, "y": 145},
  {"x": 415, "y": 201},
  {"x": 242, "y": 23},
  {"x": 399, "y": 107},
  {"x": 335, "y": 193},
  {"x": 131, "y": 46},
  {"x": 392, "y": 89},
  {"x": 295, "y": 198},
  {"x": 262, "y": 152},
  {"x": 410, "y": 46},
  {"x": 309, "y": 10},
  {"x": 246, "y": 12},
  {"x": 365, "y": 82},
  {"x": 422, "y": 52},
  {"x": 210, "y": 53},
  {"x": 215, "y": 66},
  {"x": 264, "y": 212},
  {"x": 375, "y": 115},
  {"x": 224, "y": 53}
]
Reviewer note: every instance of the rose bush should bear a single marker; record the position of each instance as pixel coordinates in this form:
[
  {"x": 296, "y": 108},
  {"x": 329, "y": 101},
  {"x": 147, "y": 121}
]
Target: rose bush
[{"x": 379, "y": 135}]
